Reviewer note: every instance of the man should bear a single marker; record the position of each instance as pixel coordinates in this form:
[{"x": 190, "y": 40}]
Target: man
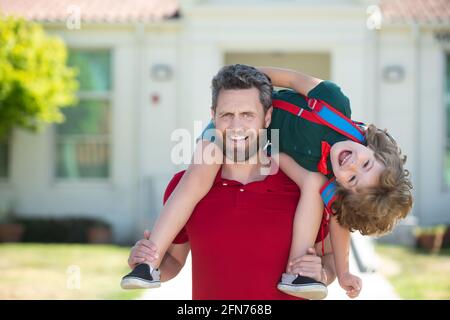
[{"x": 240, "y": 232}]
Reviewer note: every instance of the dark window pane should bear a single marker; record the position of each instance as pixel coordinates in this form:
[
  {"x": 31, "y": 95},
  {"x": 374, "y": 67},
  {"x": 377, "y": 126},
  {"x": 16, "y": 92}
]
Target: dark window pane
[
  {"x": 82, "y": 158},
  {"x": 4, "y": 160}
]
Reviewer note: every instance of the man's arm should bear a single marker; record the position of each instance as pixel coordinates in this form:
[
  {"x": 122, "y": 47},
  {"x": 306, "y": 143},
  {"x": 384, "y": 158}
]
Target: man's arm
[
  {"x": 174, "y": 260},
  {"x": 328, "y": 267},
  {"x": 300, "y": 82}
]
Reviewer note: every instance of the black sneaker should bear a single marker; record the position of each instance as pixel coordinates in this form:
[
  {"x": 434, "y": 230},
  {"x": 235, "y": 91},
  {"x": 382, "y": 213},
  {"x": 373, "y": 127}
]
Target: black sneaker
[
  {"x": 302, "y": 287},
  {"x": 142, "y": 277}
]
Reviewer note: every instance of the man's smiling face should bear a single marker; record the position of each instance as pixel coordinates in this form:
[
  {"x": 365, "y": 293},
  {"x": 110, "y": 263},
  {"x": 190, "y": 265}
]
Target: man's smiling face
[{"x": 239, "y": 116}]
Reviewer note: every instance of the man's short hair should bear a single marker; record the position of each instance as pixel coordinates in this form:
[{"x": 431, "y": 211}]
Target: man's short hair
[{"x": 240, "y": 76}]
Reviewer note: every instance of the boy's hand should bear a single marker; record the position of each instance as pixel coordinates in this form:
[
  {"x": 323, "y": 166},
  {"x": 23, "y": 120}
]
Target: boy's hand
[
  {"x": 143, "y": 251},
  {"x": 309, "y": 265},
  {"x": 351, "y": 284}
]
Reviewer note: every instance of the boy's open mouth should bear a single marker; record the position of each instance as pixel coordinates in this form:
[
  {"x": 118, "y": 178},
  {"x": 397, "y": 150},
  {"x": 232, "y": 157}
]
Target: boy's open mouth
[{"x": 344, "y": 156}]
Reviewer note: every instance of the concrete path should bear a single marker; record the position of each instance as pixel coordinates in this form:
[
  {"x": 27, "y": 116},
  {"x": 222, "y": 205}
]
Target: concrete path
[{"x": 375, "y": 287}]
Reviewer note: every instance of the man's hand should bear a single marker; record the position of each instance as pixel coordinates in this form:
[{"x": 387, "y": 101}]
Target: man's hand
[
  {"x": 310, "y": 265},
  {"x": 143, "y": 251},
  {"x": 351, "y": 284}
]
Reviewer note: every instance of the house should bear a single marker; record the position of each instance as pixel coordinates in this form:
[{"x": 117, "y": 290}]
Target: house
[{"x": 146, "y": 68}]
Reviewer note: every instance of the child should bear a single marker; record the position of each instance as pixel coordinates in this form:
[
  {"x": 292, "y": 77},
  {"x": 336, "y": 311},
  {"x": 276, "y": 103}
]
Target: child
[{"x": 373, "y": 192}]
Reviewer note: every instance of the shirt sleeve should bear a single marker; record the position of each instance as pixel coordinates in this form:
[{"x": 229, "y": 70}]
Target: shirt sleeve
[
  {"x": 332, "y": 94},
  {"x": 182, "y": 236}
]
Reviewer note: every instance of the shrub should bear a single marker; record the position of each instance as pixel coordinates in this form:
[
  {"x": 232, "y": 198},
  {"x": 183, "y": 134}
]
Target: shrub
[{"x": 65, "y": 230}]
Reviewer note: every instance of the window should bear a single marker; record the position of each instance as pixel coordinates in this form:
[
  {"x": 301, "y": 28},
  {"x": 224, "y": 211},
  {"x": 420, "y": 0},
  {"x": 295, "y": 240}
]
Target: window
[
  {"x": 447, "y": 132},
  {"x": 4, "y": 159},
  {"x": 83, "y": 140}
]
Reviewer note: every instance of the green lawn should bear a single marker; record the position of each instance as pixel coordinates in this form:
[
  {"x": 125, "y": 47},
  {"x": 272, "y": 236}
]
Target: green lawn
[
  {"x": 49, "y": 271},
  {"x": 415, "y": 274}
]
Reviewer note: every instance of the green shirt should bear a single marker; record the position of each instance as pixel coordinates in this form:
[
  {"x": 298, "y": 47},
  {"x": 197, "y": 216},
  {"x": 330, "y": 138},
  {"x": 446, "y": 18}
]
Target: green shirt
[{"x": 300, "y": 138}]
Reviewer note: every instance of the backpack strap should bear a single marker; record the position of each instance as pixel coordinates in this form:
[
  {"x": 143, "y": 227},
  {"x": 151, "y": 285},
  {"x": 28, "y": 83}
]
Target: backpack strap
[
  {"x": 328, "y": 193},
  {"x": 324, "y": 114},
  {"x": 336, "y": 120}
]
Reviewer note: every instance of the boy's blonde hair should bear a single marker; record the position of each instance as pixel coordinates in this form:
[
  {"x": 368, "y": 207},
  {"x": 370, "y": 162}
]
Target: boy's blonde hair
[{"x": 376, "y": 210}]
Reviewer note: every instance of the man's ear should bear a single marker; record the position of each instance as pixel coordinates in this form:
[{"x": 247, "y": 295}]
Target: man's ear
[
  {"x": 213, "y": 115},
  {"x": 268, "y": 117}
]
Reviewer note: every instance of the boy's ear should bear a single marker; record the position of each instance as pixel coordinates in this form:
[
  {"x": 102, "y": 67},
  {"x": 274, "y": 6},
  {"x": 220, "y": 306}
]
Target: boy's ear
[{"x": 213, "y": 115}]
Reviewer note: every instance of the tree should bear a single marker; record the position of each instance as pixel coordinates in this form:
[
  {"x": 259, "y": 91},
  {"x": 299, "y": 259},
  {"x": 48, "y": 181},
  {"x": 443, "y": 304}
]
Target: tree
[{"x": 35, "y": 81}]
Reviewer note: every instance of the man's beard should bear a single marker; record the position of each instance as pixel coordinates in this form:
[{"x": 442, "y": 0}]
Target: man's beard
[{"x": 241, "y": 150}]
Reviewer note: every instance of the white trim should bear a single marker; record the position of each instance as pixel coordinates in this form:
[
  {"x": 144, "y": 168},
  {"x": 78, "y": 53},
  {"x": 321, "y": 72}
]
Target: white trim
[{"x": 446, "y": 99}]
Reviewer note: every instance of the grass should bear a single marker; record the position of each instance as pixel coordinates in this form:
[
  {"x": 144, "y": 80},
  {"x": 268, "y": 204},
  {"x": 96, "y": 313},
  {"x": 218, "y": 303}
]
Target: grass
[
  {"x": 63, "y": 271},
  {"x": 416, "y": 275}
]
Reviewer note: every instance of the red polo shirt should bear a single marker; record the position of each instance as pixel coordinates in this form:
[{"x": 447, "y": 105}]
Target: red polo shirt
[{"x": 240, "y": 237}]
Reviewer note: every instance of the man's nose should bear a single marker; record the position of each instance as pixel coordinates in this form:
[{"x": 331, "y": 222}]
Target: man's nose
[{"x": 236, "y": 124}]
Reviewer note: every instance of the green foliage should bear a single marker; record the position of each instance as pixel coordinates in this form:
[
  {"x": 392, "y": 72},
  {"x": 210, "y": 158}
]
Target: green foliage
[
  {"x": 35, "y": 81},
  {"x": 58, "y": 230}
]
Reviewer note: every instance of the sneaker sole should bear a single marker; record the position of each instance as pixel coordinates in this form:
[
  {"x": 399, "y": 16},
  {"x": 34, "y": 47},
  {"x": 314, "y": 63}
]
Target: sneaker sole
[
  {"x": 310, "y": 292},
  {"x": 136, "y": 283}
]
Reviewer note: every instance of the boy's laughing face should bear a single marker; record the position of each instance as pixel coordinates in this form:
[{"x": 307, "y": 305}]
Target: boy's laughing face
[{"x": 355, "y": 166}]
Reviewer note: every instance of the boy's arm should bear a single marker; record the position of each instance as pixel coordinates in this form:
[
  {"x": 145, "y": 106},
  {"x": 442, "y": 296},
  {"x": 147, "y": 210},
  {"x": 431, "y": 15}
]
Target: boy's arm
[
  {"x": 300, "y": 82},
  {"x": 193, "y": 186},
  {"x": 340, "y": 240}
]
